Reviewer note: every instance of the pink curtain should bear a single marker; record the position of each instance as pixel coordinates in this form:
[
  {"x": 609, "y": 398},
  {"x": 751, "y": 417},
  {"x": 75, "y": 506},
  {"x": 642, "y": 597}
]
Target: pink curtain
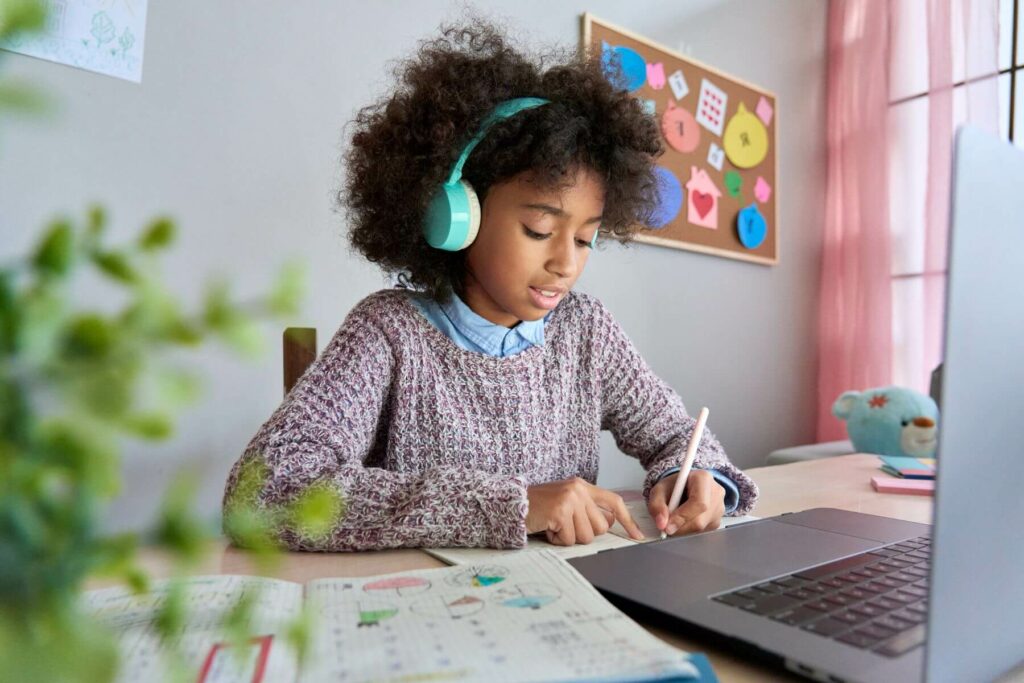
[
  {"x": 854, "y": 332},
  {"x": 889, "y": 164}
]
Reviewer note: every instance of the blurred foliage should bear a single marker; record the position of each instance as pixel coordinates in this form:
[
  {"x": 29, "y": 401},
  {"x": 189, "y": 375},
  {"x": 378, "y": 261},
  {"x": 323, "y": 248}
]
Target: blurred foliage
[{"x": 74, "y": 384}]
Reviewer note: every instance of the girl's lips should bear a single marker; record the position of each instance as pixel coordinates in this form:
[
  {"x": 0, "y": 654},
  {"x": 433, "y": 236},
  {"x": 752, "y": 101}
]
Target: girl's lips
[{"x": 545, "y": 302}]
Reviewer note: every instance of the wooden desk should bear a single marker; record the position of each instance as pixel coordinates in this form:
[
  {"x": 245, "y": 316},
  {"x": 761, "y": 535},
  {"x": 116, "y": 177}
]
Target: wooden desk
[{"x": 840, "y": 482}]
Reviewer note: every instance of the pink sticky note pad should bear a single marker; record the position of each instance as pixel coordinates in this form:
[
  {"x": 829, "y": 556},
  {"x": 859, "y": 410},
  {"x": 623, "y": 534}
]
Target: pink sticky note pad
[
  {"x": 764, "y": 111},
  {"x": 913, "y": 487}
]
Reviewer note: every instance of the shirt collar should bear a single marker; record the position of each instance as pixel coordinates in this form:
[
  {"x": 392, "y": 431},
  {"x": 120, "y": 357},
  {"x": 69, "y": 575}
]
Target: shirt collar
[{"x": 494, "y": 338}]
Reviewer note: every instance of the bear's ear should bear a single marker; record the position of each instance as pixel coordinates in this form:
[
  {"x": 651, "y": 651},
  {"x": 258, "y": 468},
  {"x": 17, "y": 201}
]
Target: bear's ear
[{"x": 844, "y": 404}]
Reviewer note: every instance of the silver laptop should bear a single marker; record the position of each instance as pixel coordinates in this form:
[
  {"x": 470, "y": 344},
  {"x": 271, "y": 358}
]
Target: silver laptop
[{"x": 844, "y": 596}]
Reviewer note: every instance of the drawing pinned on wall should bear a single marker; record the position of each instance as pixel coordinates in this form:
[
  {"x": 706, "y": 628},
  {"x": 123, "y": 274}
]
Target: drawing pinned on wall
[
  {"x": 670, "y": 198},
  {"x": 711, "y": 106},
  {"x": 751, "y": 227},
  {"x": 716, "y": 156},
  {"x": 703, "y": 202},
  {"x": 764, "y": 111},
  {"x": 103, "y": 37},
  {"x": 656, "y": 75},
  {"x": 677, "y": 81},
  {"x": 762, "y": 190},
  {"x": 632, "y": 71},
  {"x": 745, "y": 139},
  {"x": 733, "y": 184},
  {"x": 680, "y": 129}
]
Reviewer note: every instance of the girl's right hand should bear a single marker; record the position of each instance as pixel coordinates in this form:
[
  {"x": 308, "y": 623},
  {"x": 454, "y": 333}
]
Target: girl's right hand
[{"x": 575, "y": 511}]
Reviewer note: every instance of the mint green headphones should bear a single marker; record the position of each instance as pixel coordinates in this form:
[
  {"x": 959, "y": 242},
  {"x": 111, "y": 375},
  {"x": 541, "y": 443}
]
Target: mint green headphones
[{"x": 453, "y": 215}]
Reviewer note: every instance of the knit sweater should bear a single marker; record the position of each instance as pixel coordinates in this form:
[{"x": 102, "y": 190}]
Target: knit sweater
[{"x": 431, "y": 445}]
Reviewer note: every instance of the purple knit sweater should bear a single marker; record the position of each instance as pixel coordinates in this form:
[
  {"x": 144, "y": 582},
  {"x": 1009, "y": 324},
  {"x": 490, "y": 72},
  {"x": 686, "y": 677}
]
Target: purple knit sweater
[{"x": 432, "y": 445}]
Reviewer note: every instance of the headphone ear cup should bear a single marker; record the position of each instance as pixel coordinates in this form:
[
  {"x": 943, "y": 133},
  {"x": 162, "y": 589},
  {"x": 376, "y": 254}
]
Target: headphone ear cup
[
  {"x": 474, "y": 214},
  {"x": 453, "y": 217}
]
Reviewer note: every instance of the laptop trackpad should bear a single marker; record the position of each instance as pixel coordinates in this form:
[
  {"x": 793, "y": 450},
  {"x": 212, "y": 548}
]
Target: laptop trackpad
[{"x": 765, "y": 549}]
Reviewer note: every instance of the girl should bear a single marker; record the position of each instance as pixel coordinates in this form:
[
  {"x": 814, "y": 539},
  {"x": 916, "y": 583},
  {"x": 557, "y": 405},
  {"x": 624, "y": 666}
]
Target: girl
[{"x": 464, "y": 407}]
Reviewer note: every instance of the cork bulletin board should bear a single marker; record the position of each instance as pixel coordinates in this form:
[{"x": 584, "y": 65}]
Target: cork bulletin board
[{"x": 717, "y": 177}]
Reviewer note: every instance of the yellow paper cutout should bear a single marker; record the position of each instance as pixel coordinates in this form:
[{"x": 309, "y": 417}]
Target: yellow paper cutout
[{"x": 745, "y": 139}]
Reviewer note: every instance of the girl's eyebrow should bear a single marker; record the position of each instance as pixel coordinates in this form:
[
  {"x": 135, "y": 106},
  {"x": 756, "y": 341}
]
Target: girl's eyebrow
[{"x": 555, "y": 211}]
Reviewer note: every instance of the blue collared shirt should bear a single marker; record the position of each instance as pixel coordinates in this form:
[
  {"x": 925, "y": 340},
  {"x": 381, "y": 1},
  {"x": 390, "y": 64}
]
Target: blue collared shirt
[{"x": 473, "y": 332}]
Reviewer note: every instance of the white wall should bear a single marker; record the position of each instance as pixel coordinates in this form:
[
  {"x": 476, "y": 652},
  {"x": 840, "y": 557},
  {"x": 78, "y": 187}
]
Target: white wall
[{"x": 237, "y": 130}]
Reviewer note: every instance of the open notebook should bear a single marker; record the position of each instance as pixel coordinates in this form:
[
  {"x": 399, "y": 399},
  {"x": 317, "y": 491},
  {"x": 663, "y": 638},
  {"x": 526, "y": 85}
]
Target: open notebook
[
  {"x": 530, "y": 617},
  {"x": 617, "y": 537}
]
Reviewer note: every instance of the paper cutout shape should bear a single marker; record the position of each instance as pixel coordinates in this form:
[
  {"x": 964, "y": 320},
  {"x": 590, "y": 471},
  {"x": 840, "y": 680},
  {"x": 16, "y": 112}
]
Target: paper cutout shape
[
  {"x": 764, "y": 111},
  {"x": 716, "y": 156},
  {"x": 678, "y": 84},
  {"x": 762, "y": 190},
  {"x": 745, "y": 139},
  {"x": 751, "y": 227},
  {"x": 680, "y": 129},
  {"x": 670, "y": 198},
  {"x": 650, "y": 108},
  {"x": 656, "y": 75},
  {"x": 632, "y": 69},
  {"x": 733, "y": 183},
  {"x": 711, "y": 107},
  {"x": 703, "y": 195}
]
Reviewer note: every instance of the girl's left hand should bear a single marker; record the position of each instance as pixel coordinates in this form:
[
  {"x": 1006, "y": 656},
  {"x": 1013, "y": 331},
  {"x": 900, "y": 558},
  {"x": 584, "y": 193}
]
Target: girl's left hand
[{"x": 701, "y": 510}]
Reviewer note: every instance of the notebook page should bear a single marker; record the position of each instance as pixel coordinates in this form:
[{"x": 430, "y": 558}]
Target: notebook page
[
  {"x": 637, "y": 507},
  {"x": 208, "y": 598},
  {"x": 529, "y": 617},
  {"x": 484, "y": 555}
]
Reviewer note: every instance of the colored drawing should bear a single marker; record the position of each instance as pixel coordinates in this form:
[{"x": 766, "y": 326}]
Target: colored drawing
[
  {"x": 762, "y": 190},
  {"x": 703, "y": 204},
  {"x": 716, "y": 156},
  {"x": 656, "y": 75},
  {"x": 764, "y": 111},
  {"x": 751, "y": 227},
  {"x": 401, "y": 585},
  {"x": 678, "y": 84},
  {"x": 670, "y": 198},
  {"x": 632, "y": 71},
  {"x": 680, "y": 129},
  {"x": 527, "y": 596},
  {"x": 478, "y": 577},
  {"x": 450, "y": 606},
  {"x": 733, "y": 183},
  {"x": 711, "y": 106},
  {"x": 745, "y": 139},
  {"x": 372, "y": 614}
]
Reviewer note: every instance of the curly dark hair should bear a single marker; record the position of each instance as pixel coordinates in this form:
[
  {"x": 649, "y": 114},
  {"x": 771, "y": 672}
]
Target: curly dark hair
[{"x": 404, "y": 146}]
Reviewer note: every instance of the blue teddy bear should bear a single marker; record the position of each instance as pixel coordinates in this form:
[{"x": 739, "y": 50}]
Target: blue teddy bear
[{"x": 890, "y": 421}]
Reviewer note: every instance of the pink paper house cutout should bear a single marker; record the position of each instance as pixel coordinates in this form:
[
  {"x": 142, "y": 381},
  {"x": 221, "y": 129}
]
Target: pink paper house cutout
[{"x": 702, "y": 199}]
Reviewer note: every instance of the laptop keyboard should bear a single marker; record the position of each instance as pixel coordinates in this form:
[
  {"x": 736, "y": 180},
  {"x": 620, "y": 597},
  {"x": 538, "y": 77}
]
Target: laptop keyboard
[{"x": 875, "y": 601}]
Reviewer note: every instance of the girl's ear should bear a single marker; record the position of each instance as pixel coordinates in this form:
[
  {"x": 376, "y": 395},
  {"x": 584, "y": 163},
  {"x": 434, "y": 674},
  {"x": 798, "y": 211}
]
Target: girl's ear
[{"x": 844, "y": 404}]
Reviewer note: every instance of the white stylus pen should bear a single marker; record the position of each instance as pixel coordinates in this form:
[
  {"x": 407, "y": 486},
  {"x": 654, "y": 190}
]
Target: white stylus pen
[{"x": 684, "y": 471}]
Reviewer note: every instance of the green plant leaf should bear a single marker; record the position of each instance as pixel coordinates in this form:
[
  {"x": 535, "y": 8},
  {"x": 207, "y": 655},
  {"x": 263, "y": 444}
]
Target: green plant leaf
[
  {"x": 116, "y": 266},
  {"x": 55, "y": 251},
  {"x": 159, "y": 234},
  {"x": 317, "y": 511},
  {"x": 152, "y": 426},
  {"x": 22, "y": 98},
  {"x": 89, "y": 336},
  {"x": 288, "y": 291},
  {"x": 21, "y": 16}
]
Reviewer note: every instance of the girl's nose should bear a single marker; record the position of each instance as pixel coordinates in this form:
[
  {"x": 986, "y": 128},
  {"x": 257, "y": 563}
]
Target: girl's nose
[{"x": 563, "y": 260}]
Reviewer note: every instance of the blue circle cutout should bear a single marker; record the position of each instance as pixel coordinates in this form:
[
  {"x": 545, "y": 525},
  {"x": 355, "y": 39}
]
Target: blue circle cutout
[
  {"x": 670, "y": 198},
  {"x": 751, "y": 226},
  {"x": 633, "y": 68}
]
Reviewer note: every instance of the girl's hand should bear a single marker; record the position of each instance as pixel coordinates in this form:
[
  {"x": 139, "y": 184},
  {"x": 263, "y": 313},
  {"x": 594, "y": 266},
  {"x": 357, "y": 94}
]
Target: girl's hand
[
  {"x": 701, "y": 509},
  {"x": 575, "y": 511}
]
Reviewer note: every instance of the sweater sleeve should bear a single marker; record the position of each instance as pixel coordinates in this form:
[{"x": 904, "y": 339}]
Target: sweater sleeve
[
  {"x": 324, "y": 432},
  {"x": 648, "y": 418}
]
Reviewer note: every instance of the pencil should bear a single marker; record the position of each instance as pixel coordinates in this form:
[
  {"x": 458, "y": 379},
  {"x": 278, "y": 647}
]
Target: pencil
[{"x": 684, "y": 471}]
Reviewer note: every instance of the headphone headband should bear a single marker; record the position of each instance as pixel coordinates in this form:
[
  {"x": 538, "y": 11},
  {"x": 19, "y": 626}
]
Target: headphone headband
[{"x": 502, "y": 111}]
